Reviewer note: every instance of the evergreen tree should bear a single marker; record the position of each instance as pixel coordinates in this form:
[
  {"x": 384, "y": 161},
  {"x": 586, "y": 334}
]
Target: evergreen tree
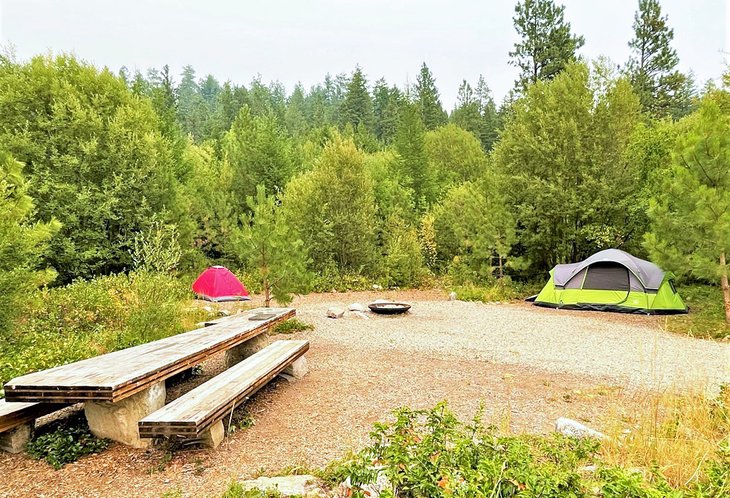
[
  {"x": 192, "y": 110},
  {"x": 546, "y": 43},
  {"x": 691, "y": 216},
  {"x": 414, "y": 165},
  {"x": 260, "y": 153},
  {"x": 427, "y": 100},
  {"x": 387, "y": 102},
  {"x": 272, "y": 249},
  {"x": 296, "y": 121},
  {"x": 357, "y": 106},
  {"x": 662, "y": 90}
]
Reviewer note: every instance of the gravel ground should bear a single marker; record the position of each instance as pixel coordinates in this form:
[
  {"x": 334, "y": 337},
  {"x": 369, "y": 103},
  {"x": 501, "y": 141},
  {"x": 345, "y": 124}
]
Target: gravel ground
[{"x": 526, "y": 365}]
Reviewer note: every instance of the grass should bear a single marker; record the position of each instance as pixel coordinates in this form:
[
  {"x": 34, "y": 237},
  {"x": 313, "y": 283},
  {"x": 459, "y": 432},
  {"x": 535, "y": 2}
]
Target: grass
[
  {"x": 291, "y": 326},
  {"x": 677, "y": 434},
  {"x": 706, "y": 317},
  {"x": 500, "y": 291}
]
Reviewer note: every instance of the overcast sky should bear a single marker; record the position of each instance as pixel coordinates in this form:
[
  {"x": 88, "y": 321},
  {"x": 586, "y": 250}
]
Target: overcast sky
[{"x": 300, "y": 40}]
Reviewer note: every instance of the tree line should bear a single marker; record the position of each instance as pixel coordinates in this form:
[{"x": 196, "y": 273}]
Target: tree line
[{"x": 367, "y": 178}]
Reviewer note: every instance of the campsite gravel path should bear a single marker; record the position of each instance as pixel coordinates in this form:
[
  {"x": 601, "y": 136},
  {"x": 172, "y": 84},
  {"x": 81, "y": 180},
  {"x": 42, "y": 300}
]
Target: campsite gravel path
[{"x": 527, "y": 365}]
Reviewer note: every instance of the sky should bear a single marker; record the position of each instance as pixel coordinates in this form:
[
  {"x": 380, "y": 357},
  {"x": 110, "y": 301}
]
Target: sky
[{"x": 300, "y": 41}]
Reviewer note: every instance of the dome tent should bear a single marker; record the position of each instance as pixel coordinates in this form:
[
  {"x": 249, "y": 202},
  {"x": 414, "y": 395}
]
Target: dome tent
[
  {"x": 217, "y": 283},
  {"x": 612, "y": 280}
]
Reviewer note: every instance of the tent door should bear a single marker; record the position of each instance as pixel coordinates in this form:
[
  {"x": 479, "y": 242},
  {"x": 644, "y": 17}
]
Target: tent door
[{"x": 606, "y": 283}]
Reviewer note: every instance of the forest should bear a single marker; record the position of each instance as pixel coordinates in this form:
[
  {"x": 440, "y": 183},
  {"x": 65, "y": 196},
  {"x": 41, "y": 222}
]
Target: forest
[{"x": 116, "y": 177}]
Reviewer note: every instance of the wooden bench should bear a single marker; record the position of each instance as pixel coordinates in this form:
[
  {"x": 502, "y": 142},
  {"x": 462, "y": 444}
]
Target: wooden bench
[
  {"x": 200, "y": 412},
  {"x": 122, "y": 387},
  {"x": 16, "y": 422}
]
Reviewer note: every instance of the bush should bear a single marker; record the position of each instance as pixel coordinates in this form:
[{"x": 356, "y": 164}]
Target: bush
[
  {"x": 402, "y": 262},
  {"x": 429, "y": 453},
  {"x": 88, "y": 318},
  {"x": 66, "y": 442}
]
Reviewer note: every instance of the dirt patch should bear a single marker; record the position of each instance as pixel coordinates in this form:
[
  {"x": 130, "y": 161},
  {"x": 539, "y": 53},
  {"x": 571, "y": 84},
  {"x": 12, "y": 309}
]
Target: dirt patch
[{"x": 526, "y": 366}]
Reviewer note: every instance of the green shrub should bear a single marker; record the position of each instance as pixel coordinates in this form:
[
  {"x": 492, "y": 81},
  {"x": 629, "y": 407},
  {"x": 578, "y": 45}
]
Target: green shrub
[
  {"x": 429, "y": 453},
  {"x": 66, "y": 442}
]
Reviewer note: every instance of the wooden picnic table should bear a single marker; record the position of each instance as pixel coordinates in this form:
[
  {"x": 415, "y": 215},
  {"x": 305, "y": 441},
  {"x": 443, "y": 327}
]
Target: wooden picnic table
[{"x": 118, "y": 375}]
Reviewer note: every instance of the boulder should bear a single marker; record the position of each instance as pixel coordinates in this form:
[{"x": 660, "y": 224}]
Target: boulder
[
  {"x": 335, "y": 313},
  {"x": 118, "y": 421},
  {"x": 357, "y": 307},
  {"x": 573, "y": 428},
  {"x": 14, "y": 440},
  {"x": 304, "y": 485},
  {"x": 452, "y": 296}
]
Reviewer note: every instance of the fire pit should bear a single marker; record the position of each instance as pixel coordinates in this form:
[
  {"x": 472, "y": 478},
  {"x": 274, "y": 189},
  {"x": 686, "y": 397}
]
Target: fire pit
[{"x": 389, "y": 308}]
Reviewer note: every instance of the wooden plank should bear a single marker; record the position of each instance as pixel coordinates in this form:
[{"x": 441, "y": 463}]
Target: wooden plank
[
  {"x": 15, "y": 414},
  {"x": 197, "y": 410},
  {"x": 115, "y": 376}
]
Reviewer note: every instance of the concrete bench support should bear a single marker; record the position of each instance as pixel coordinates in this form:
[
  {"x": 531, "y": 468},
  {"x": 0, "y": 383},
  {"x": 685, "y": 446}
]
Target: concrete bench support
[
  {"x": 118, "y": 421},
  {"x": 241, "y": 352},
  {"x": 298, "y": 369},
  {"x": 14, "y": 440}
]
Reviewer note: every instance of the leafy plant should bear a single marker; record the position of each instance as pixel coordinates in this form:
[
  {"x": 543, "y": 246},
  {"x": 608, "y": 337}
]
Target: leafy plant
[{"x": 67, "y": 443}]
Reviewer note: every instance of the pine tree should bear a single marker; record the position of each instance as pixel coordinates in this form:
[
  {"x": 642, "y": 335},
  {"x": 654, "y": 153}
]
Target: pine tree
[
  {"x": 546, "y": 43},
  {"x": 387, "y": 102},
  {"x": 414, "y": 165},
  {"x": 272, "y": 248},
  {"x": 691, "y": 215},
  {"x": 427, "y": 100},
  {"x": 663, "y": 91},
  {"x": 357, "y": 106}
]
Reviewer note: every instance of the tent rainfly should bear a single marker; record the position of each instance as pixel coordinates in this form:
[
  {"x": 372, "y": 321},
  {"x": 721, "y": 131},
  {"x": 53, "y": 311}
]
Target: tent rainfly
[
  {"x": 612, "y": 280},
  {"x": 217, "y": 284}
]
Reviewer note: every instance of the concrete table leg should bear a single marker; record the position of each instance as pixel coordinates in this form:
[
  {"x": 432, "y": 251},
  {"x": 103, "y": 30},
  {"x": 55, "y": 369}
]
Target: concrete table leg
[
  {"x": 14, "y": 440},
  {"x": 213, "y": 436},
  {"x": 118, "y": 421},
  {"x": 243, "y": 351}
]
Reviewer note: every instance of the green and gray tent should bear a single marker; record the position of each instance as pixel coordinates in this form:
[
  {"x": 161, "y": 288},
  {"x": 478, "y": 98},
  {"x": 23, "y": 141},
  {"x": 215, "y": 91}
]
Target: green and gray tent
[{"x": 612, "y": 280}]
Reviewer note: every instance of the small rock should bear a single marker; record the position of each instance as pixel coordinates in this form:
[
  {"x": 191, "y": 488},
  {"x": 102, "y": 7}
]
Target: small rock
[
  {"x": 357, "y": 307},
  {"x": 573, "y": 428},
  {"x": 304, "y": 485},
  {"x": 360, "y": 314},
  {"x": 377, "y": 287},
  {"x": 335, "y": 313},
  {"x": 452, "y": 296}
]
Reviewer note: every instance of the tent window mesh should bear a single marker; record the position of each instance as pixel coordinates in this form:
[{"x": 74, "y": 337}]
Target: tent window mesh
[{"x": 607, "y": 276}]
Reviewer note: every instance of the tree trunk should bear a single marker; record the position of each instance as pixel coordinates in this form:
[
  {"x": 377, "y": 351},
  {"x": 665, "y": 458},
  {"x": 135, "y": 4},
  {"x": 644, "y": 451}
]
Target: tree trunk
[
  {"x": 501, "y": 271},
  {"x": 725, "y": 286}
]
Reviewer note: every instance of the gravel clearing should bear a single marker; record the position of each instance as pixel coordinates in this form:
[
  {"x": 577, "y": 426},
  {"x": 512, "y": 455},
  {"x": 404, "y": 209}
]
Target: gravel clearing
[
  {"x": 527, "y": 366},
  {"x": 630, "y": 350}
]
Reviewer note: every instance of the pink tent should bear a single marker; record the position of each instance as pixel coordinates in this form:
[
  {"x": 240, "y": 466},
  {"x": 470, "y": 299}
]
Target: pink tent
[{"x": 217, "y": 283}]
